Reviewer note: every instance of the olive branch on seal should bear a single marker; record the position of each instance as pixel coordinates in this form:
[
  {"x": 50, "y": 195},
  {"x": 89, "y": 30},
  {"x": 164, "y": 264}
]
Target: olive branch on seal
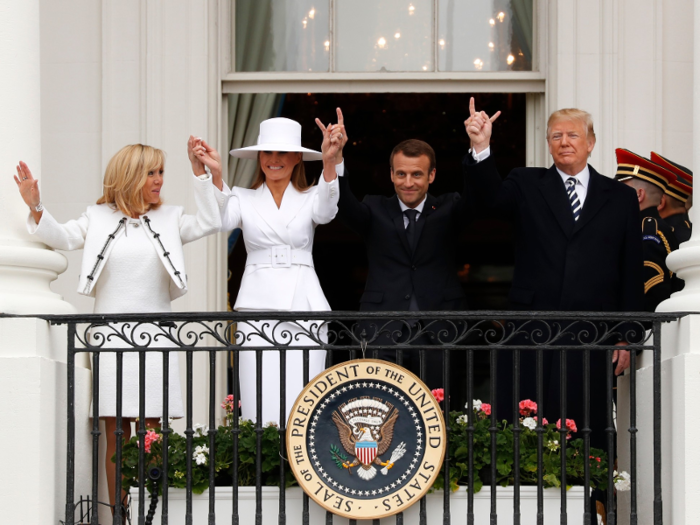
[{"x": 338, "y": 457}]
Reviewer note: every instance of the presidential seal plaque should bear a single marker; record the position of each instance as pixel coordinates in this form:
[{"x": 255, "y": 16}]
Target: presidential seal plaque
[{"x": 366, "y": 439}]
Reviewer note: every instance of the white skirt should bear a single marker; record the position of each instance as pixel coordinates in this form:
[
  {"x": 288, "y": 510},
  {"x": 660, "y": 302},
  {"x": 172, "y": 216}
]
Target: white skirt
[
  {"x": 130, "y": 374},
  {"x": 257, "y": 333}
]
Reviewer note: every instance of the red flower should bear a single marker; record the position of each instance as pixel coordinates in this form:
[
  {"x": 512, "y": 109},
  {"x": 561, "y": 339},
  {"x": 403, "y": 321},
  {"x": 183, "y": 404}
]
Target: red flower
[
  {"x": 544, "y": 420},
  {"x": 228, "y": 403},
  {"x": 486, "y": 408},
  {"x": 438, "y": 394},
  {"x": 149, "y": 438},
  {"x": 570, "y": 425},
  {"x": 528, "y": 407}
]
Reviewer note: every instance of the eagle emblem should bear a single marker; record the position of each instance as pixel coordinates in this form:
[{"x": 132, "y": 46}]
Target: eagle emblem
[{"x": 366, "y": 429}]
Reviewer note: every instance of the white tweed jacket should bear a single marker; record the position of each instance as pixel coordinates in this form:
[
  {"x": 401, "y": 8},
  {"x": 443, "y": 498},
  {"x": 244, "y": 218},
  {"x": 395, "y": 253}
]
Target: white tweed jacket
[{"x": 168, "y": 228}]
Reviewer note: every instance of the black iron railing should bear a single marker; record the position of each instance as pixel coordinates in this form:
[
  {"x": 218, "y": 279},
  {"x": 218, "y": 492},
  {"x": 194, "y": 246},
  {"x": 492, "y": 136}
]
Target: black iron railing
[{"x": 357, "y": 335}]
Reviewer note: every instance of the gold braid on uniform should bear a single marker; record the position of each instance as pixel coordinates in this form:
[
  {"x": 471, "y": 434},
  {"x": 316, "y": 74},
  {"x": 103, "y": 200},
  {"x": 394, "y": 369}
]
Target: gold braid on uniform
[
  {"x": 663, "y": 238},
  {"x": 668, "y": 247},
  {"x": 657, "y": 279}
]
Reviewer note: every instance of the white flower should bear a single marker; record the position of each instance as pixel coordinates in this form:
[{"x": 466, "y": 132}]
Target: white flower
[
  {"x": 623, "y": 482},
  {"x": 200, "y": 429},
  {"x": 463, "y": 419},
  {"x": 530, "y": 423},
  {"x": 271, "y": 424},
  {"x": 476, "y": 405},
  {"x": 553, "y": 445},
  {"x": 200, "y": 455},
  {"x": 170, "y": 422}
]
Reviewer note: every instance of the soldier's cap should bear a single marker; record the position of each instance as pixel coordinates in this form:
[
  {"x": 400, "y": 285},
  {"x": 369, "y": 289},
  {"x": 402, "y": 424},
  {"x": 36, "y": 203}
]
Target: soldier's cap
[
  {"x": 630, "y": 165},
  {"x": 682, "y": 187}
]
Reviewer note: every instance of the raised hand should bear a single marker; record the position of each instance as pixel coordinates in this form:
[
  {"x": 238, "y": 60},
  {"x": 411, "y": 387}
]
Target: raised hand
[
  {"x": 210, "y": 158},
  {"x": 334, "y": 139},
  {"x": 479, "y": 127},
  {"x": 197, "y": 166},
  {"x": 28, "y": 186}
]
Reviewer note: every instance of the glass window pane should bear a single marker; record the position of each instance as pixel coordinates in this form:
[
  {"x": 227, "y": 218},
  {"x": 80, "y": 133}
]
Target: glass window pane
[
  {"x": 485, "y": 35},
  {"x": 282, "y": 35},
  {"x": 384, "y": 35}
]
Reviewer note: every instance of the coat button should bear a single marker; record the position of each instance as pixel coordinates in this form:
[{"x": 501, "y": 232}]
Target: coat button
[{"x": 407, "y": 297}]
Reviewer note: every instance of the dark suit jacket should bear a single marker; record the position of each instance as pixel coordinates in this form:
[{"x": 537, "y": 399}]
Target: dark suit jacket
[
  {"x": 593, "y": 264},
  {"x": 431, "y": 270},
  {"x": 680, "y": 223}
]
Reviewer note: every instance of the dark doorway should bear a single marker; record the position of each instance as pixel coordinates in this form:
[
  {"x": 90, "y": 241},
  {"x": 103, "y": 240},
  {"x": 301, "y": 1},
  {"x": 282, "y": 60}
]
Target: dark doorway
[{"x": 375, "y": 123}]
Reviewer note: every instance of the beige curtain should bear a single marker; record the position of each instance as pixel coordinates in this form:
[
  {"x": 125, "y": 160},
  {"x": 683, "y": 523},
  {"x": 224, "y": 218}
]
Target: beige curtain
[
  {"x": 246, "y": 112},
  {"x": 254, "y": 52},
  {"x": 522, "y": 25}
]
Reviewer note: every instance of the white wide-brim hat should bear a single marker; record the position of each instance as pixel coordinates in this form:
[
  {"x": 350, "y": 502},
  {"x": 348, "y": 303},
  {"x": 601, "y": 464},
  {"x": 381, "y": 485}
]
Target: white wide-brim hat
[{"x": 278, "y": 134}]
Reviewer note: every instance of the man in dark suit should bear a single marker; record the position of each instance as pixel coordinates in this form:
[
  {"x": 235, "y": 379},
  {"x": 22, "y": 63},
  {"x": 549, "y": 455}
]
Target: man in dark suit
[
  {"x": 672, "y": 208},
  {"x": 411, "y": 245},
  {"x": 577, "y": 247},
  {"x": 650, "y": 181}
]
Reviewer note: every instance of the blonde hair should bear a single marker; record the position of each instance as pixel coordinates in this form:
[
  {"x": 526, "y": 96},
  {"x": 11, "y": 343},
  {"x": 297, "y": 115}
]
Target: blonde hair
[
  {"x": 126, "y": 175},
  {"x": 574, "y": 114},
  {"x": 298, "y": 179}
]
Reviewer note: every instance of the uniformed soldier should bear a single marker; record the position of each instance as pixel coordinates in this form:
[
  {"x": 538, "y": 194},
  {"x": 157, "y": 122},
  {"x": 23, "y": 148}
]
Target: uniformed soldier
[
  {"x": 650, "y": 182},
  {"x": 673, "y": 204}
]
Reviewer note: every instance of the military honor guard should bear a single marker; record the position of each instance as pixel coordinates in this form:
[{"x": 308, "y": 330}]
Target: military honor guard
[
  {"x": 651, "y": 181},
  {"x": 674, "y": 201}
]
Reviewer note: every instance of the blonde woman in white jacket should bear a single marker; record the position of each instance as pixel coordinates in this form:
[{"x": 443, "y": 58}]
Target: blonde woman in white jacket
[
  {"x": 133, "y": 262},
  {"x": 278, "y": 216}
]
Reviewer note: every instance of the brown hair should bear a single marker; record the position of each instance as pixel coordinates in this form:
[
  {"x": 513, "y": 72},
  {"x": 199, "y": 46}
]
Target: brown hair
[
  {"x": 413, "y": 148},
  {"x": 126, "y": 175},
  {"x": 584, "y": 117},
  {"x": 298, "y": 179}
]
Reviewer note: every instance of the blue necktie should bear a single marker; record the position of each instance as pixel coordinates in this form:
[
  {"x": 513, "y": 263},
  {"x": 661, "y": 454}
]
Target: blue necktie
[{"x": 573, "y": 197}]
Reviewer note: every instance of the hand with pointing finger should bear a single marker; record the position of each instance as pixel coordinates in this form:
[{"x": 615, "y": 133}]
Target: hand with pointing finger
[
  {"x": 479, "y": 127},
  {"x": 334, "y": 139}
]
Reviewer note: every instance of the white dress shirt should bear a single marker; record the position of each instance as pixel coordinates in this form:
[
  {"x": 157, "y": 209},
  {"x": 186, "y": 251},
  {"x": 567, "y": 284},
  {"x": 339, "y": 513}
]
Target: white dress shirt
[{"x": 418, "y": 208}]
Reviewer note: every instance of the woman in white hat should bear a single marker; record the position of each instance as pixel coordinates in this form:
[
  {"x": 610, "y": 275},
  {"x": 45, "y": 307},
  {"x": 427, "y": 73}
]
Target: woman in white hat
[{"x": 278, "y": 216}]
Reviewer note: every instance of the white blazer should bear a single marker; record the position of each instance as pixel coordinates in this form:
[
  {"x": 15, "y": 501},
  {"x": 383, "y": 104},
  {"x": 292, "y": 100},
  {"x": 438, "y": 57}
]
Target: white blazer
[
  {"x": 100, "y": 226},
  {"x": 279, "y": 242}
]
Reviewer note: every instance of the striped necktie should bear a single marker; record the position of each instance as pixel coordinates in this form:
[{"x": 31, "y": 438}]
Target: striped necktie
[{"x": 573, "y": 197}]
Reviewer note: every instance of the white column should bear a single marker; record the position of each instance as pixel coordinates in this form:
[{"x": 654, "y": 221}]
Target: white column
[
  {"x": 686, "y": 260},
  {"x": 26, "y": 266}
]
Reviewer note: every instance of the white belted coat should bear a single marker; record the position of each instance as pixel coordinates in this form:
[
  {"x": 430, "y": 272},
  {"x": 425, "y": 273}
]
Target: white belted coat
[
  {"x": 279, "y": 275},
  {"x": 279, "y": 242}
]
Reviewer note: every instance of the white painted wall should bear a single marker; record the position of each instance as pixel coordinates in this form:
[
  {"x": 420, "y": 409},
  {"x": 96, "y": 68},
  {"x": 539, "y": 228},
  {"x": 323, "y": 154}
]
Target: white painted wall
[
  {"x": 629, "y": 63},
  {"x": 119, "y": 72}
]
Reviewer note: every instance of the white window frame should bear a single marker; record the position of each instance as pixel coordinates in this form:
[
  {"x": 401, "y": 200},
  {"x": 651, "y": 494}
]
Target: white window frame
[{"x": 533, "y": 83}]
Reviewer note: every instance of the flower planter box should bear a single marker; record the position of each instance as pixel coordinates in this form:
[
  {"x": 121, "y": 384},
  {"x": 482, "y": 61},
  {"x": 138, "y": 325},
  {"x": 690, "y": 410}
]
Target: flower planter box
[{"x": 458, "y": 507}]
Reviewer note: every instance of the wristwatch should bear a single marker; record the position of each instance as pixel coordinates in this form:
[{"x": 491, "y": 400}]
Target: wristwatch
[{"x": 39, "y": 207}]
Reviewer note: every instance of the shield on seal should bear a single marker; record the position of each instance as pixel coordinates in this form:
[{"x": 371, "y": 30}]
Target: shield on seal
[{"x": 366, "y": 451}]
